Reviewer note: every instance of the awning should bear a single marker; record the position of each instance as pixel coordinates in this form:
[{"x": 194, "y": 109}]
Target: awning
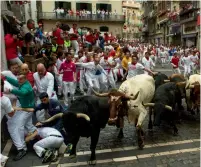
[
  {"x": 198, "y": 20},
  {"x": 189, "y": 35}
]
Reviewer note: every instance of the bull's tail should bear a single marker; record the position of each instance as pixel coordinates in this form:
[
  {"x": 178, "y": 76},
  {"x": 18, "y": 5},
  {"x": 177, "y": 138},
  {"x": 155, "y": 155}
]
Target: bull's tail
[{"x": 53, "y": 118}]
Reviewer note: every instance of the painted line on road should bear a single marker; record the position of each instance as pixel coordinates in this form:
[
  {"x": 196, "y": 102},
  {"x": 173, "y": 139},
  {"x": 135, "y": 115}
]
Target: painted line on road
[
  {"x": 131, "y": 158},
  {"x": 7, "y": 148},
  {"x": 133, "y": 148}
]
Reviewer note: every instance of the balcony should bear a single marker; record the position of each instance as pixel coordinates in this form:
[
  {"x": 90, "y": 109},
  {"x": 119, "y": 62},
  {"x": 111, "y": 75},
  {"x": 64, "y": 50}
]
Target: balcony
[
  {"x": 188, "y": 18},
  {"x": 92, "y": 17},
  {"x": 131, "y": 4},
  {"x": 174, "y": 19}
]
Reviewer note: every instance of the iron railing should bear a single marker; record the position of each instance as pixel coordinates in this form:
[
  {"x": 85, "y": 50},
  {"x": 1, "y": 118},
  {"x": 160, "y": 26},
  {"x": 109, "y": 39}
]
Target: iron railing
[{"x": 88, "y": 17}]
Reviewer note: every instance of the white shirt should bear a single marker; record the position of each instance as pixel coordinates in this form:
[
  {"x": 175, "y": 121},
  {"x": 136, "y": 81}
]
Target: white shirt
[
  {"x": 6, "y": 106},
  {"x": 118, "y": 61},
  {"x": 187, "y": 61},
  {"x": 58, "y": 63},
  {"x": 44, "y": 84},
  {"x": 194, "y": 59},
  {"x": 91, "y": 69},
  {"x": 104, "y": 64},
  {"x": 47, "y": 131},
  {"x": 163, "y": 54},
  {"x": 134, "y": 70},
  {"x": 148, "y": 63}
]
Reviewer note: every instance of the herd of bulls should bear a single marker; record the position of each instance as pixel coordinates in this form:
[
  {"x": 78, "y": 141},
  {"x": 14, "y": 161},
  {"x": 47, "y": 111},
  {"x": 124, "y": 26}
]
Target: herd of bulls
[{"x": 162, "y": 94}]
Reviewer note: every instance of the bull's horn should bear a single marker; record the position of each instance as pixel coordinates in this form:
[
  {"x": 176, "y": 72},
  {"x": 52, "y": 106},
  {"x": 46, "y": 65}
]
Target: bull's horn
[
  {"x": 191, "y": 86},
  {"x": 132, "y": 97},
  {"x": 148, "y": 104},
  {"x": 181, "y": 83},
  {"x": 166, "y": 80},
  {"x": 168, "y": 107},
  {"x": 100, "y": 94},
  {"x": 80, "y": 115},
  {"x": 53, "y": 118}
]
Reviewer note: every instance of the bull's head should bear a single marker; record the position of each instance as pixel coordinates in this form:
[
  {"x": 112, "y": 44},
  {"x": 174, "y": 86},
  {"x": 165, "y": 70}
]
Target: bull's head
[
  {"x": 159, "y": 111},
  {"x": 195, "y": 94},
  {"x": 118, "y": 104}
]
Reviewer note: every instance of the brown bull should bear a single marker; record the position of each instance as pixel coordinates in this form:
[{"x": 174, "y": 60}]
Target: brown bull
[{"x": 118, "y": 107}]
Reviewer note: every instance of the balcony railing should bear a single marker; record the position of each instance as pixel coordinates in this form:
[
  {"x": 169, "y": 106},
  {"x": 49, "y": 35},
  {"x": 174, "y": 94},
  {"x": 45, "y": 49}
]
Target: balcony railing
[
  {"x": 90, "y": 17},
  {"x": 188, "y": 18}
]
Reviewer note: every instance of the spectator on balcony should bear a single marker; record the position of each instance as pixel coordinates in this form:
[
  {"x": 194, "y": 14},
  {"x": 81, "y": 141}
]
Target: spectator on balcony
[
  {"x": 58, "y": 11},
  {"x": 98, "y": 13},
  {"x": 73, "y": 37},
  {"x": 77, "y": 13},
  {"x": 103, "y": 14},
  {"x": 115, "y": 13},
  {"x": 106, "y": 14},
  {"x": 110, "y": 14},
  {"x": 62, "y": 12}
]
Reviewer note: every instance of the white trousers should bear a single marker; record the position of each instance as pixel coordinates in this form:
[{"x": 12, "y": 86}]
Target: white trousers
[
  {"x": 75, "y": 46},
  {"x": 163, "y": 59},
  {"x": 187, "y": 70},
  {"x": 50, "y": 142},
  {"x": 98, "y": 82},
  {"x": 110, "y": 78},
  {"x": 116, "y": 72},
  {"x": 41, "y": 114},
  {"x": 59, "y": 82},
  {"x": 82, "y": 83},
  {"x": 176, "y": 71},
  {"x": 68, "y": 87},
  {"x": 17, "y": 125}
]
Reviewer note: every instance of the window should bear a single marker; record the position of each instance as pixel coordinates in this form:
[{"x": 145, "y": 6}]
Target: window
[{"x": 104, "y": 29}]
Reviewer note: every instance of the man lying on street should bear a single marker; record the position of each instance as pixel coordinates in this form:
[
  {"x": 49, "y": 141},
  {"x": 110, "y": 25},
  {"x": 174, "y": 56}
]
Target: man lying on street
[
  {"x": 53, "y": 107},
  {"x": 50, "y": 140}
]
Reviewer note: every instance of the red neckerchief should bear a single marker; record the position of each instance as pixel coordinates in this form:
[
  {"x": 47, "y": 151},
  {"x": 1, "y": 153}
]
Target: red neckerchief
[
  {"x": 147, "y": 58},
  {"x": 1, "y": 94},
  {"x": 134, "y": 64},
  {"x": 88, "y": 60}
]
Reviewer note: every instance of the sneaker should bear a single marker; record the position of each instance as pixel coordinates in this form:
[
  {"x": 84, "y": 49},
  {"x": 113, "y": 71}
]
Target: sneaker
[
  {"x": 69, "y": 148},
  {"x": 47, "y": 156},
  {"x": 54, "y": 157},
  {"x": 20, "y": 155},
  {"x": 3, "y": 160}
]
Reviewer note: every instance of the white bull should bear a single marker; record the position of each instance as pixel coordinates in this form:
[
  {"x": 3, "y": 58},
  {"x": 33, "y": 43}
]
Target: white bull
[
  {"x": 193, "y": 80},
  {"x": 128, "y": 101}
]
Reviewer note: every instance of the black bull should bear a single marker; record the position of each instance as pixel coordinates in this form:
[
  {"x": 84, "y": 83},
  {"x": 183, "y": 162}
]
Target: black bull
[
  {"x": 164, "y": 103},
  {"x": 85, "y": 117}
]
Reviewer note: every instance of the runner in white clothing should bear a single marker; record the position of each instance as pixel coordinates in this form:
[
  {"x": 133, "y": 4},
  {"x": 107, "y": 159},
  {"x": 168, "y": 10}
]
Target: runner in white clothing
[
  {"x": 43, "y": 82},
  {"x": 6, "y": 109},
  {"x": 195, "y": 60},
  {"x": 186, "y": 62},
  {"x": 50, "y": 139},
  {"x": 118, "y": 70},
  {"x": 108, "y": 63},
  {"x": 135, "y": 68},
  {"x": 147, "y": 62},
  {"x": 95, "y": 74}
]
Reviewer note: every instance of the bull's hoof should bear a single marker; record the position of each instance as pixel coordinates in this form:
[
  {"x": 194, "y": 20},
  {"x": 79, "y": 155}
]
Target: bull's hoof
[
  {"x": 120, "y": 136},
  {"x": 141, "y": 145},
  {"x": 92, "y": 162}
]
